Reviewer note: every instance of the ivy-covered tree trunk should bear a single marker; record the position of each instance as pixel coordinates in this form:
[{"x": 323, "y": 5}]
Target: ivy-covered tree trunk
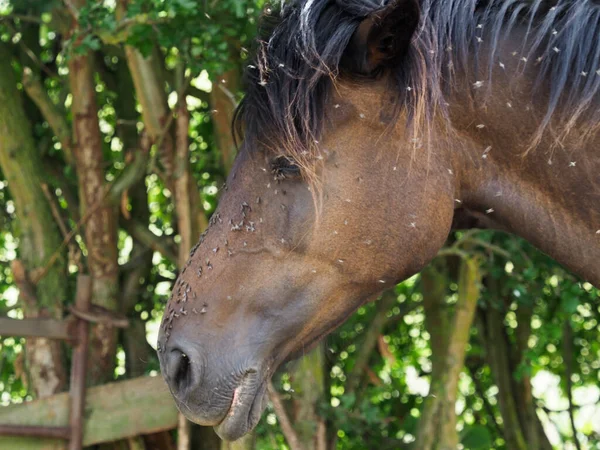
[{"x": 42, "y": 285}]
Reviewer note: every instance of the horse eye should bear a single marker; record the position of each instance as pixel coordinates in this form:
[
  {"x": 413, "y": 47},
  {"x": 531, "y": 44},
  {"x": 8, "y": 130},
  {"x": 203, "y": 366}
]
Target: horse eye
[{"x": 283, "y": 167}]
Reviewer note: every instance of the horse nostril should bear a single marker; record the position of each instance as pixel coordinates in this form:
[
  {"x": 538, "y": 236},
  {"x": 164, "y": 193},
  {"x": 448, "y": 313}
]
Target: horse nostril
[{"x": 178, "y": 369}]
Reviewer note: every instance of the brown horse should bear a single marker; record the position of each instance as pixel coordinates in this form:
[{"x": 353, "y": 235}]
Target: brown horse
[{"x": 370, "y": 130}]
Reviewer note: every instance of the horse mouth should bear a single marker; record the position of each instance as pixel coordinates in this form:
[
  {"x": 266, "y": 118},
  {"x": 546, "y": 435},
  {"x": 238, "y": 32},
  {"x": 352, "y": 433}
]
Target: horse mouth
[{"x": 247, "y": 405}]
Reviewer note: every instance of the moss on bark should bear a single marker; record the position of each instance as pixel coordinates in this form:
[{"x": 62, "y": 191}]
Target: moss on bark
[{"x": 35, "y": 228}]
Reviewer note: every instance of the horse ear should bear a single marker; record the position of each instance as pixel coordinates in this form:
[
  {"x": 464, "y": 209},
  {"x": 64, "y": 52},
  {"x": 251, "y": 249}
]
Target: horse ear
[{"x": 383, "y": 38}]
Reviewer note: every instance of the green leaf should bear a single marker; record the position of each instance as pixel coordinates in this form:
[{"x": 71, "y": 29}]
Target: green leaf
[
  {"x": 476, "y": 437},
  {"x": 569, "y": 304}
]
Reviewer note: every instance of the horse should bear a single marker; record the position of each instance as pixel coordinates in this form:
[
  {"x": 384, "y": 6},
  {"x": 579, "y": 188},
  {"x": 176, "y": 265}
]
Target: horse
[{"x": 368, "y": 132}]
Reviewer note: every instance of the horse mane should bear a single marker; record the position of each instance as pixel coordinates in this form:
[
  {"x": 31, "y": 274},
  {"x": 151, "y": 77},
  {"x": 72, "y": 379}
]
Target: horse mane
[{"x": 301, "y": 54}]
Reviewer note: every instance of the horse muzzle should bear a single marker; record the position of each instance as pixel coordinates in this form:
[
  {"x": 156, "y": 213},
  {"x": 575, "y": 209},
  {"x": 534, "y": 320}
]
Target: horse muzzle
[{"x": 226, "y": 394}]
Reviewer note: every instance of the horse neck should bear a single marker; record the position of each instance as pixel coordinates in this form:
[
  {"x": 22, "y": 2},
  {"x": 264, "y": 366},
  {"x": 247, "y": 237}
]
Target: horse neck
[{"x": 549, "y": 195}]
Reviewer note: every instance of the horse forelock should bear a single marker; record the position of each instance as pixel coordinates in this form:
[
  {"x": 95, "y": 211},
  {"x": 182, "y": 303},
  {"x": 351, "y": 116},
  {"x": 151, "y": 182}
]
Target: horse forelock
[{"x": 302, "y": 42}]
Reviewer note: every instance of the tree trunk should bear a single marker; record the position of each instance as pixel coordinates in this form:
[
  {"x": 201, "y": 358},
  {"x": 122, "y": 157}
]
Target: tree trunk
[
  {"x": 449, "y": 339},
  {"x": 308, "y": 382},
  {"x": 223, "y": 104},
  {"x": 521, "y": 426},
  {"x": 100, "y": 228},
  {"x": 497, "y": 357},
  {"x": 38, "y": 233}
]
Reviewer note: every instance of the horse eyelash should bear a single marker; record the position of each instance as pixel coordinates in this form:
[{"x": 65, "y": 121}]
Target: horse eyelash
[{"x": 283, "y": 167}]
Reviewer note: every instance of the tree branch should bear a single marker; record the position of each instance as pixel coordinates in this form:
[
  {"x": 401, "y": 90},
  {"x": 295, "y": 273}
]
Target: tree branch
[
  {"x": 133, "y": 172},
  {"x": 387, "y": 302},
  {"x": 201, "y": 95},
  {"x": 141, "y": 233},
  {"x": 487, "y": 405},
  {"x": 41, "y": 273},
  {"x": 284, "y": 420},
  {"x": 494, "y": 340},
  {"x": 73, "y": 10},
  {"x": 22, "y": 18},
  {"x": 53, "y": 115},
  {"x": 123, "y": 29},
  {"x": 568, "y": 357},
  {"x": 76, "y": 256}
]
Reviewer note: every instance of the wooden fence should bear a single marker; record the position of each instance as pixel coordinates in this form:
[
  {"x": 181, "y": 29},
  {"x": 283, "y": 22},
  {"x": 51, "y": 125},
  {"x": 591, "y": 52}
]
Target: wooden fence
[{"x": 110, "y": 412}]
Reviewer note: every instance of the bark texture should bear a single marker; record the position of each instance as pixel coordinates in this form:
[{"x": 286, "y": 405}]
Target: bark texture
[
  {"x": 308, "y": 382},
  {"x": 37, "y": 232},
  {"x": 101, "y": 227},
  {"x": 449, "y": 339}
]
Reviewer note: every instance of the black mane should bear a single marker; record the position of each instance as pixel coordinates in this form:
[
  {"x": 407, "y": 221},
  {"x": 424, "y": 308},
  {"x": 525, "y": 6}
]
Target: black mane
[{"x": 301, "y": 53}]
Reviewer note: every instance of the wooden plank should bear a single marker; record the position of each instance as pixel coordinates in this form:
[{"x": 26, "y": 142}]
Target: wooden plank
[
  {"x": 112, "y": 411},
  {"x": 48, "y": 328}
]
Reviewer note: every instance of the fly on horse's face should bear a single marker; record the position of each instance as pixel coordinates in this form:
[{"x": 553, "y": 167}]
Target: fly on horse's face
[{"x": 332, "y": 200}]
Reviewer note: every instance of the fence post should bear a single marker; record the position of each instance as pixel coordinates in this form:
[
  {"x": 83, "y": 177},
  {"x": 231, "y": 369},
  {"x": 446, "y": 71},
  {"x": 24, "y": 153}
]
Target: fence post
[{"x": 83, "y": 300}]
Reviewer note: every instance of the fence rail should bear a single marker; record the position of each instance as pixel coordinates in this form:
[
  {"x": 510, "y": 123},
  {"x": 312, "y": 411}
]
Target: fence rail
[
  {"x": 74, "y": 330},
  {"x": 113, "y": 411}
]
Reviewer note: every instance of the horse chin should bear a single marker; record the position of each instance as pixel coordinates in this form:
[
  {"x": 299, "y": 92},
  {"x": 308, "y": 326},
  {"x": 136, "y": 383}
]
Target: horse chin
[{"x": 246, "y": 409}]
